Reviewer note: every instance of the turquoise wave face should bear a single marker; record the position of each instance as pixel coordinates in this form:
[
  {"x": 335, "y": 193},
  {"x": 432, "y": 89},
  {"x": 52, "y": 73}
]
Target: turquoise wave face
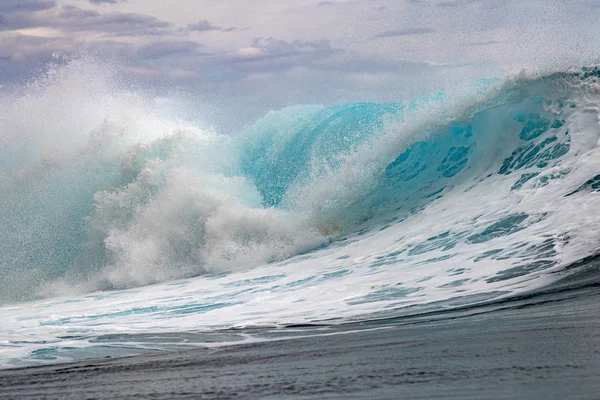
[
  {"x": 289, "y": 147},
  {"x": 287, "y": 151},
  {"x": 133, "y": 199}
]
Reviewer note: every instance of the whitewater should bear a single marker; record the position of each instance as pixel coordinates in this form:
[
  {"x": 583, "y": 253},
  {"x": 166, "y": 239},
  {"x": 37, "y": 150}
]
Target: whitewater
[{"x": 127, "y": 228}]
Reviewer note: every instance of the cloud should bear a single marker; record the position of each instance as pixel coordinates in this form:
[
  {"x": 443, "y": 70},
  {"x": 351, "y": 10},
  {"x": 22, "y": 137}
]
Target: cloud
[
  {"x": 113, "y": 23},
  {"x": 202, "y": 26},
  {"x": 21, "y": 56},
  {"x": 103, "y": 1},
  {"x": 353, "y": 63},
  {"x": 22, "y": 46},
  {"x": 457, "y": 3},
  {"x": 75, "y": 19},
  {"x": 106, "y": 1},
  {"x": 233, "y": 29},
  {"x": 167, "y": 49},
  {"x": 327, "y": 3},
  {"x": 207, "y": 26},
  {"x": 17, "y": 6},
  {"x": 404, "y": 32},
  {"x": 483, "y": 43},
  {"x": 270, "y": 49},
  {"x": 294, "y": 58},
  {"x": 10, "y": 21},
  {"x": 23, "y": 14}
]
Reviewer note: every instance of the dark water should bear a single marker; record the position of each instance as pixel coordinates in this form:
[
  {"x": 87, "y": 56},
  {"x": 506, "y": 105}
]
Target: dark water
[{"x": 543, "y": 346}]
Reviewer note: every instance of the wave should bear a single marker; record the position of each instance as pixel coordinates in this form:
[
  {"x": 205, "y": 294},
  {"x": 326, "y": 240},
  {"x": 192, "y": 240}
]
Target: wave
[{"x": 489, "y": 186}]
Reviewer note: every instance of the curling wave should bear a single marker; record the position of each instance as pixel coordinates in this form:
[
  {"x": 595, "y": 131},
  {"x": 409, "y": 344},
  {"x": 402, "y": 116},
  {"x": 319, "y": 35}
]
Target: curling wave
[{"x": 484, "y": 190}]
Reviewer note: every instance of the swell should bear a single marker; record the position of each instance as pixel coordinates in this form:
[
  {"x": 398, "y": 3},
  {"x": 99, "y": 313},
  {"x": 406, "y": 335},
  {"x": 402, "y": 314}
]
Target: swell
[{"x": 127, "y": 197}]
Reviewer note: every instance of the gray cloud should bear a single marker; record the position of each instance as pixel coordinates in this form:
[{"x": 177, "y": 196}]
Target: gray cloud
[
  {"x": 271, "y": 49},
  {"x": 202, "y": 26},
  {"x": 233, "y": 29},
  {"x": 16, "y": 14},
  {"x": 168, "y": 49},
  {"x": 483, "y": 44},
  {"x": 404, "y": 32},
  {"x": 21, "y": 56},
  {"x": 333, "y": 62},
  {"x": 16, "y": 6},
  {"x": 75, "y": 19},
  {"x": 207, "y": 26},
  {"x": 20, "y": 20},
  {"x": 112, "y": 23},
  {"x": 352, "y": 63},
  {"x": 106, "y": 1},
  {"x": 457, "y": 3}
]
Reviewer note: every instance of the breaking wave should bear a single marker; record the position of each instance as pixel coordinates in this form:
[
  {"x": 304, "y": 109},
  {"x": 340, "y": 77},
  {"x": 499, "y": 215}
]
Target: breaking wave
[{"x": 484, "y": 189}]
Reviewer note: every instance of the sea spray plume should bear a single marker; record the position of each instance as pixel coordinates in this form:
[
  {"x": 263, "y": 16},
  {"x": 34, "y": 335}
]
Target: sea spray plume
[{"x": 100, "y": 191}]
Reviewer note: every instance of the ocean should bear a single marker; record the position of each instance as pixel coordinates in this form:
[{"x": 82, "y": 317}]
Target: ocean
[{"x": 440, "y": 248}]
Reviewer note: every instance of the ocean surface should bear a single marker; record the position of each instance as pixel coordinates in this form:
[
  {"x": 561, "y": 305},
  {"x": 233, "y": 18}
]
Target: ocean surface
[
  {"x": 545, "y": 345},
  {"x": 420, "y": 237}
]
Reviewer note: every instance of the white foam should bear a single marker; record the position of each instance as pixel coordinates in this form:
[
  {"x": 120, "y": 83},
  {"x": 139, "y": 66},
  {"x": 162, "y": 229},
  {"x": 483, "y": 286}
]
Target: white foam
[{"x": 187, "y": 212}]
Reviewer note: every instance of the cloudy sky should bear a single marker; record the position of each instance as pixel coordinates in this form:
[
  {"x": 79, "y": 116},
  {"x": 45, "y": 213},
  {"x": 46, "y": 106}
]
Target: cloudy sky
[{"x": 254, "y": 55}]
